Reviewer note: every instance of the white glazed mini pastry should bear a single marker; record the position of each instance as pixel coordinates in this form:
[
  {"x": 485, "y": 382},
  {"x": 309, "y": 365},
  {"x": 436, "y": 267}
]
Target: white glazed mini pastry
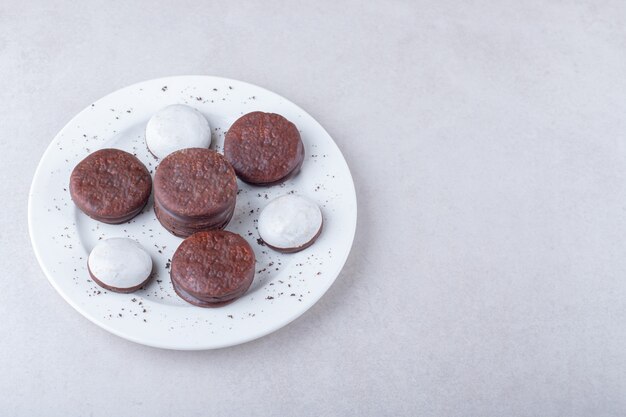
[
  {"x": 119, "y": 264},
  {"x": 177, "y": 127},
  {"x": 290, "y": 223}
]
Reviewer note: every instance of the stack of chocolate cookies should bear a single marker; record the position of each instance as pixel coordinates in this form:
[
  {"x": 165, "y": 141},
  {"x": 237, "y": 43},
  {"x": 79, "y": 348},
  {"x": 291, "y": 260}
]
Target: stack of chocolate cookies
[{"x": 195, "y": 189}]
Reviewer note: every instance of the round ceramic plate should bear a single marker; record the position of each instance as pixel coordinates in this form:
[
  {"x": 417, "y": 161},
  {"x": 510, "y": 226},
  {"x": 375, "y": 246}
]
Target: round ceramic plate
[{"x": 284, "y": 287}]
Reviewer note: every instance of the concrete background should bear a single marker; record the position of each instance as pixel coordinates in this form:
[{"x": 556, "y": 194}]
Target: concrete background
[{"x": 488, "y": 145}]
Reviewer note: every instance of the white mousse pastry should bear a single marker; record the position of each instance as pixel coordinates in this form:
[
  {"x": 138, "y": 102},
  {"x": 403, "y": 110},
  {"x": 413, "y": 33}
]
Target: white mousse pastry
[
  {"x": 119, "y": 264},
  {"x": 177, "y": 127},
  {"x": 290, "y": 223}
]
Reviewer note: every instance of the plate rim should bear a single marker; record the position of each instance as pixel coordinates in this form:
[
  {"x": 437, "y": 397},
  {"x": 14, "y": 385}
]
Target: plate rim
[{"x": 101, "y": 323}]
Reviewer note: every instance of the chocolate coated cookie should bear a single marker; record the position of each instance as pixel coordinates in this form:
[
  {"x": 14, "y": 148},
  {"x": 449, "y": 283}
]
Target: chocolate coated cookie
[
  {"x": 212, "y": 268},
  {"x": 194, "y": 189},
  {"x": 264, "y": 148},
  {"x": 110, "y": 185}
]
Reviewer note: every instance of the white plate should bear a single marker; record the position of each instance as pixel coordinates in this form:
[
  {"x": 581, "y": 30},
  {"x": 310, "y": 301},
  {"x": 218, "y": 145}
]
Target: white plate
[{"x": 284, "y": 287}]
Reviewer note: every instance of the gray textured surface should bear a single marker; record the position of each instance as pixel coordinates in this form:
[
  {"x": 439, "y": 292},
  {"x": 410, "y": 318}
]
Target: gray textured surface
[{"x": 488, "y": 145}]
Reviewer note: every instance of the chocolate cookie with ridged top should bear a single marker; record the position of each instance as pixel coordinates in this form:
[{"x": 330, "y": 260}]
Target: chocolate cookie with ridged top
[
  {"x": 110, "y": 185},
  {"x": 195, "y": 189},
  {"x": 264, "y": 148},
  {"x": 212, "y": 268}
]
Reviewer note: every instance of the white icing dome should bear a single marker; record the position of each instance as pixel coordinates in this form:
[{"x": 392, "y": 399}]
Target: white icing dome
[
  {"x": 290, "y": 222},
  {"x": 177, "y": 127},
  {"x": 120, "y": 263}
]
